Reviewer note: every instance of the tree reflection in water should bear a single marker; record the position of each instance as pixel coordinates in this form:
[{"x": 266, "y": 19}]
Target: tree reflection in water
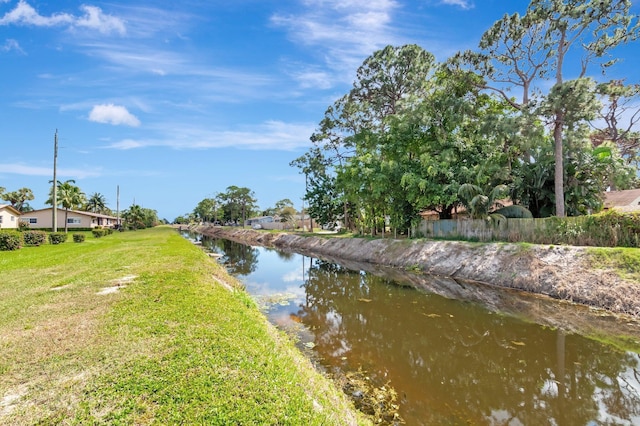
[{"x": 452, "y": 362}]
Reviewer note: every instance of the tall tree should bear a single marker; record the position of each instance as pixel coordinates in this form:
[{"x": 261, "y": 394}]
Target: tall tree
[
  {"x": 620, "y": 114},
  {"x": 518, "y": 51},
  {"x": 238, "y": 203},
  {"x": 454, "y": 138},
  {"x": 389, "y": 82},
  {"x": 134, "y": 217},
  {"x": 18, "y": 198},
  {"x": 69, "y": 196},
  {"x": 207, "y": 210},
  {"x": 96, "y": 203}
]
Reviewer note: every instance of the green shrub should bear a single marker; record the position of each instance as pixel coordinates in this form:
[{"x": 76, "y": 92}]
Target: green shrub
[
  {"x": 98, "y": 232},
  {"x": 34, "y": 238},
  {"x": 78, "y": 238},
  {"x": 23, "y": 226},
  {"x": 10, "y": 241},
  {"x": 515, "y": 212},
  {"x": 57, "y": 237}
]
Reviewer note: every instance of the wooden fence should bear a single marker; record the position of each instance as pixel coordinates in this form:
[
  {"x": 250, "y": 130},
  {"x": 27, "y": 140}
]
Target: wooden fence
[
  {"x": 483, "y": 230},
  {"x": 581, "y": 230}
]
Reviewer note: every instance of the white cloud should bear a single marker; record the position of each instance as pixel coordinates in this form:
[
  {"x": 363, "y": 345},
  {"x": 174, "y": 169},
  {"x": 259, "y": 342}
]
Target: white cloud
[
  {"x": 464, "y": 4},
  {"x": 24, "y": 14},
  {"x": 345, "y": 31},
  {"x": 270, "y": 135},
  {"x": 22, "y": 169},
  {"x": 313, "y": 79},
  {"x": 93, "y": 18},
  {"x": 113, "y": 114},
  {"x": 11, "y": 44},
  {"x": 128, "y": 144}
]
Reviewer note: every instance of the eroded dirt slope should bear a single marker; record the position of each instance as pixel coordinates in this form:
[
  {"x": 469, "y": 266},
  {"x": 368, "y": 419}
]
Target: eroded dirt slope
[{"x": 561, "y": 272}]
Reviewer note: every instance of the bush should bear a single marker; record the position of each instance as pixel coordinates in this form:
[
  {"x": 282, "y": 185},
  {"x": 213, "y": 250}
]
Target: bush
[
  {"x": 23, "y": 226},
  {"x": 57, "y": 237},
  {"x": 34, "y": 238},
  {"x": 78, "y": 238},
  {"x": 10, "y": 241},
  {"x": 98, "y": 232}
]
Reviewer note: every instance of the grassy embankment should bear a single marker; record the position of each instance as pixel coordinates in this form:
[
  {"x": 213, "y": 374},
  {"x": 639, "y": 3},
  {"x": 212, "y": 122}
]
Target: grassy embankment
[{"x": 135, "y": 328}]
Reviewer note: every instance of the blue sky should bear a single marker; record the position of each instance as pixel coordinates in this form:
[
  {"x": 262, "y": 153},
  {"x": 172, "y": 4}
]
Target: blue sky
[{"x": 175, "y": 101}]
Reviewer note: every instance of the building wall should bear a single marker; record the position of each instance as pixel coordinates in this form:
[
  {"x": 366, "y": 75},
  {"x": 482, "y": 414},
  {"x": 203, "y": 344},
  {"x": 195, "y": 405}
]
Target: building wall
[
  {"x": 8, "y": 219},
  {"x": 43, "y": 219}
]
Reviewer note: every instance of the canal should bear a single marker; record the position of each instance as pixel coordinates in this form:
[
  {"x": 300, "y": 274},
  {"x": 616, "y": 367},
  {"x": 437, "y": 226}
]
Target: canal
[{"x": 407, "y": 354}]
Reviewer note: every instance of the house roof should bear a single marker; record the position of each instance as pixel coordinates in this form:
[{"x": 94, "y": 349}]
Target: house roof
[
  {"x": 11, "y": 208},
  {"x": 80, "y": 212},
  {"x": 623, "y": 199}
]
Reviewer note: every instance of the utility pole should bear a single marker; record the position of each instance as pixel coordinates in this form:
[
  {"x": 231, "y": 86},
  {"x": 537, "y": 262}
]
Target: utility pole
[
  {"x": 118, "y": 206},
  {"x": 55, "y": 183}
]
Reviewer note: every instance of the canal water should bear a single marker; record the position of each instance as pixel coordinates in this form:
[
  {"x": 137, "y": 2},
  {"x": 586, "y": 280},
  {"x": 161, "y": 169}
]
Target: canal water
[{"x": 410, "y": 355}]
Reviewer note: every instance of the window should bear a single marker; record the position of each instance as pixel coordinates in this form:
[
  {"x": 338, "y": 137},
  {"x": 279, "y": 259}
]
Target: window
[
  {"x": 30, "y": 220},
  {"x": 1, "y": 218},
  {"x": 73, "y": 221},
  {"x": 13, "y": 218}
]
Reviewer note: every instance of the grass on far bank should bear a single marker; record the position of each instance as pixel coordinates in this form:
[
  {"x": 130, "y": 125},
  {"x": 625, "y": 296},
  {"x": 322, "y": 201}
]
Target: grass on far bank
[
  {"x": 625, "y": 261},
  {"x": 135, "y": 328}
]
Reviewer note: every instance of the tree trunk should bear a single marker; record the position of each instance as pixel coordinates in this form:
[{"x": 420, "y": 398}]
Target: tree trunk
[
  {"x": 559, "y": 166},
  {"x": 557, "y": 134}
]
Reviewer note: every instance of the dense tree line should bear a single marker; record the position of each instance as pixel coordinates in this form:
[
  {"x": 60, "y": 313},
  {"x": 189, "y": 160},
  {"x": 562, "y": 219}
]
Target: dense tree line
[
  {"x": 414, "y": 134},
  {"x": 234, "y": 207}
]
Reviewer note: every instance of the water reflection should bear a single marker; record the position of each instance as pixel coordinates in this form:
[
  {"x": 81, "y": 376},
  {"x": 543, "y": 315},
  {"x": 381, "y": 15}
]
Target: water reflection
[{"x": 450, "y": 361}]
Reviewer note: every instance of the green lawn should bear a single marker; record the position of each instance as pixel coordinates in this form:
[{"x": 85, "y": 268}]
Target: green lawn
[{"x": 135, "y": 328}]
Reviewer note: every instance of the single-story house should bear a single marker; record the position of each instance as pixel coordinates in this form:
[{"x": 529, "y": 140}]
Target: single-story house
[
  {"x": 259, "y": 220},
  {"x": 623, "y": 201},
  {"x": 9, "y": 216},
  {"x": 43, "y": 219}
]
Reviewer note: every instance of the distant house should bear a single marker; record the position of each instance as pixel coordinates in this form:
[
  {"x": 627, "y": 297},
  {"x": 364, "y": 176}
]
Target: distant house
[
  {"x": 43, "y": 219},
  {"x": 623, "y": 201},
  {"x": 261, "y": 220},
  {"x": 9, "y": 216}
]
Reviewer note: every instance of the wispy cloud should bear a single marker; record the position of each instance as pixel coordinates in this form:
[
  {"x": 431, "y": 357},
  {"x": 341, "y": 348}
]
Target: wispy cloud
[
  {"x": 347, "y": 31},
  {"x": 270, "y": 135},
  {"x": 11, "y": 44},
  {"x": 464, "y": 4},
  {"x": 26, "y": 170},
  {"x": 113, "y": 114},
  {"x": 93, "y": 18}
]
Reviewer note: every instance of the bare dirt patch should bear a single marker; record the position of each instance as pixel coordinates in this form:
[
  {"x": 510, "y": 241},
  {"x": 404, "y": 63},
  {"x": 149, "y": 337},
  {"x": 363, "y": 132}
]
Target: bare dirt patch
[{"x": 120, "y": 283}]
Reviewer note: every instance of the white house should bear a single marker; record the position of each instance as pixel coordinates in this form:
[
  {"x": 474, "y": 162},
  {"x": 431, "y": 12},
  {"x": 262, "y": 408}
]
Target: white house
[
  {"x": 43, "y": 219},
  {"x": 9, "y": 216}
]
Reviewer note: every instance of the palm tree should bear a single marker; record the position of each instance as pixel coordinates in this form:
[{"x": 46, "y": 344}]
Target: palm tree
[
  {"x": 19, "y": 198},
  {"x": 97, "y": 203},
  {"x": 477, "y": 203},
  {"x": 68, "y": 196},
  {"x": 134, "y": 217}
]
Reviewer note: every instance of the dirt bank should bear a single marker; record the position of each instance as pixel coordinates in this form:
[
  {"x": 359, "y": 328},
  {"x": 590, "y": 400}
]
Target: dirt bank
[{"x": 561, "y": 272}]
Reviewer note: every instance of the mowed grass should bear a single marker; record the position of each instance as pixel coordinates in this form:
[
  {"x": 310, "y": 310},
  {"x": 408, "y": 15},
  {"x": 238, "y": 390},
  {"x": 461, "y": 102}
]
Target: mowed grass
[{"x": 136, "y": 328}]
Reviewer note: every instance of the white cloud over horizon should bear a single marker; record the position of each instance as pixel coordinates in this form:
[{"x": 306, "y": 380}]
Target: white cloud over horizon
[{"x": 113, "y": 114}]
